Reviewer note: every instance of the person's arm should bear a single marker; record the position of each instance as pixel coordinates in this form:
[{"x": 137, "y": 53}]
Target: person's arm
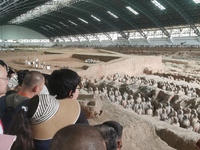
[
  {"x": 1, "y": 127},
  {"x": 2, "y": 105}
]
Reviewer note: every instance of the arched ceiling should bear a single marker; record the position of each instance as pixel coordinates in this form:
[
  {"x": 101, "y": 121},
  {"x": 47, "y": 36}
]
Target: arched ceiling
[
  {"x": 9, "y": 9},
  {"x": 64, "y": 20}
]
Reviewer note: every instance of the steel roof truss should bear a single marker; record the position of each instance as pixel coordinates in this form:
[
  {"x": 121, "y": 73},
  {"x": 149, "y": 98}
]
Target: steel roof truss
[
  {"x": 139, "y": 7},
  {"x": 182, "y": 13}
]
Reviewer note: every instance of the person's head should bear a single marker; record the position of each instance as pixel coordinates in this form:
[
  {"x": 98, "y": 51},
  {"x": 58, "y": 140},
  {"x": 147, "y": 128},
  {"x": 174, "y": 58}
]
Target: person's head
[
  {"x": 78, "y": 137},
  {"x": 40, "y": 119},
  {"x": 11, "y": 72},
  {"x": 112, "y": 133},
  {"x": 63, "y": 83},
  {"x": 4, "y": 64},
  {"x": 3, "y": 77},
  {"x": 20, "y": 76},
  {"x": 33, "y": 83}
]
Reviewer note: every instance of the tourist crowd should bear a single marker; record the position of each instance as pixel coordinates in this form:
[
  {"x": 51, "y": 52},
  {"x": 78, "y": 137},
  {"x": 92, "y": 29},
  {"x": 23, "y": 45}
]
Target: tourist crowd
[{"x": 45, "y": 114}]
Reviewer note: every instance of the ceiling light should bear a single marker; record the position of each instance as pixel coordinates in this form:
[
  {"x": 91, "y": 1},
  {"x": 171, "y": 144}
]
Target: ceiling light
[
  {"x": 158, "y": 4},
  {"x": 197, "y": 1},
  {"x": 83, "y": 20},
  {"x": 63, "y": 24},
  {"x": 44, "y": 28},
  {"x": 132, "y": 10},
  {"x": 113, "y": 15},
  {"x": 72, "y": 23},
  {"x": 56, "y": 26},
  {"x": 49, "y": 27},
  {"x": 95, "y": 18}
]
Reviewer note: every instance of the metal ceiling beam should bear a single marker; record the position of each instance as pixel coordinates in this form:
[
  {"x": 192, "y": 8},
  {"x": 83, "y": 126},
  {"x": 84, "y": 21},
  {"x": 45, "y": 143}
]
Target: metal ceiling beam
[
  {"x": 95, "y": 36},
  {"x": 79, "y": 25},
  {"x": 54, "y": 30},
  {"x": 37, "y": 25},
  {"x": 122, "y": 17},
  {"x": 54, "y": 21},
  {"x": 64, "y": 19},
  {"x": 184, "y": 15},
  {"x": 15, "y": 8},
  {"x": 76, "y": 37},
  {"x": 42, "y": 22},
  {"x": 138, "y": 6},
  {"x": 107, "y": 35},
  {"x": 46, "y": 34},
  {"x": 2, "y": 2},
  {"x": 103, "y": 20},
  {"x": 37, "y": 21},
  {"x": 85, "y": 37}
]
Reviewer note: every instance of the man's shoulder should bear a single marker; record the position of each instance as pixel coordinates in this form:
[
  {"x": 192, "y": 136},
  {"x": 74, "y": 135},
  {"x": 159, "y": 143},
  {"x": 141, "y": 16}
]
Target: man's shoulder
[
  {"x": 10, "y": 98},
  {"x": 2, "y": 98},
  {"x": 2, "y": 101},
  {"x": 11, "y": 95},
  {"x": 13, "y": 100},
  {"x": 2, "y": 105},
  {"x": 16, "y": 96}
]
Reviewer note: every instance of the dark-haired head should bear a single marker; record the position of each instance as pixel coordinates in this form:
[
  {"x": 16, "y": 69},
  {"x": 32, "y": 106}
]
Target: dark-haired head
[
  {"x": 11, "y": 72},
  {"x": 117, "y": 126},
  {"x": 63, "y": 83},
  {"x": 20, "y": 76},
  {"x": 2, "y": 63},
  {"x": 112, "y": 133}
]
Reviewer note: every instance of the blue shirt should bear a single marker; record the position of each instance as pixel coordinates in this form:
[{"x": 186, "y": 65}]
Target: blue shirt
[{"x": 42, "y": 144}]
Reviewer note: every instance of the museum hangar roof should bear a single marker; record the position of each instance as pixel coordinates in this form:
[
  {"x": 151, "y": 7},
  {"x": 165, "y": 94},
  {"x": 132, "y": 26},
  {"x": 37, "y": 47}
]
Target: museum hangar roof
[{"x": 78, "y": 17}]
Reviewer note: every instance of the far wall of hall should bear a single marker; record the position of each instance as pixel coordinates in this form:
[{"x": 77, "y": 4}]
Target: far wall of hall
[
  {"x": 18, "y": 33},
  {"x": 150, "y": 41}
]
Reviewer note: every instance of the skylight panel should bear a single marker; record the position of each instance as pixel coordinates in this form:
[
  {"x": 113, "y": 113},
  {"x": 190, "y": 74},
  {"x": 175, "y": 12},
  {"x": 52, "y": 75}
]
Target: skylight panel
[
  {"x": 49, "y": 26},
  {"x": 63, "y": 24},
  {"x": 156, "y": 3},
  {"x": 95, "y": 18},
  {"x": 72, "y": 23},
  {"x": 113, "y": 15},
  {"x": 56, "y": 26},
  {"x": 83, "y": 20},
  {"x": 49, "y": 6},
  {"x": 132, "y": 10},
  {"x": 44, "y": 28},
  {"x": 197, "y": 1}
]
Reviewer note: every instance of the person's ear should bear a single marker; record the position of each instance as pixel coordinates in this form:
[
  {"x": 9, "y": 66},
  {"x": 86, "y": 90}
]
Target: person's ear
[
  {"x": 35, "y": 89},
  {"x": 71, "y": 94},
  {"x": 119, "y": 144}
]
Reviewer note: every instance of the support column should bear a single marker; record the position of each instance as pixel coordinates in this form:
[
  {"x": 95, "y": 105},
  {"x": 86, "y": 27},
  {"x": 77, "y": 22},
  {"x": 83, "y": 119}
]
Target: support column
[
  {"x": 198, "y": 39},
  {"x": 170, "y": 40},
  {"x": 147, "y": 39}
]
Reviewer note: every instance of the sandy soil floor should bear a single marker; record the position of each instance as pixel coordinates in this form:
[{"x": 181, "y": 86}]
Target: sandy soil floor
[{"x": 138, "y": 134}]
